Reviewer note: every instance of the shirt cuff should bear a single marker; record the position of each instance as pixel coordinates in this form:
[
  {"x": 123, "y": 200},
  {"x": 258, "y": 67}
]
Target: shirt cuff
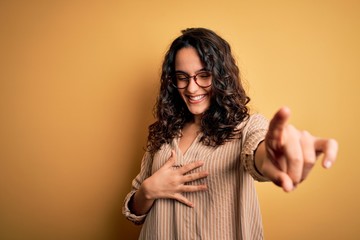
[
  {"x": 127, "y": 212},
  {"x": 248, "y": 155}
]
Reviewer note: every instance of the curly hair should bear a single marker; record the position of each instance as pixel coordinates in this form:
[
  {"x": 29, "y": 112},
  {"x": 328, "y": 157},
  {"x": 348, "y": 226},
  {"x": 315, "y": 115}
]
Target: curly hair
[{"x": 228, "y": 101}]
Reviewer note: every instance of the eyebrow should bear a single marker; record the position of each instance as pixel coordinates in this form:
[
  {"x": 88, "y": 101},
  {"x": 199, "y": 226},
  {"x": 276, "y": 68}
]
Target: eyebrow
[{"x": 183, "y": 72}]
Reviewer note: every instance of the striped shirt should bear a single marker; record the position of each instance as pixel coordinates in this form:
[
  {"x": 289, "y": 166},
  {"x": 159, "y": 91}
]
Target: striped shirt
[{"x": 228, "y": 209}]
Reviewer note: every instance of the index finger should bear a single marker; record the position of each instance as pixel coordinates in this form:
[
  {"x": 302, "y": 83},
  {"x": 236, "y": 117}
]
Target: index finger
[
  {"x": 280, "y": 119},
  {"x": 191, "y": 166}
]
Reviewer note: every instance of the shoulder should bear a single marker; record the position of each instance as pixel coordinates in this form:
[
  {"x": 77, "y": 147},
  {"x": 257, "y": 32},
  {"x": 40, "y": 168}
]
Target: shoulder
[
  {"x": 254, "y": 121},
  {"x": 258, "y": 120}
]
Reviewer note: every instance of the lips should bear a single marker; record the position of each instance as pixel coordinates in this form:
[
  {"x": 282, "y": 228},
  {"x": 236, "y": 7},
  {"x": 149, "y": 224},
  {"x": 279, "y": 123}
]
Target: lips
[{"x": 197, "y": 98}]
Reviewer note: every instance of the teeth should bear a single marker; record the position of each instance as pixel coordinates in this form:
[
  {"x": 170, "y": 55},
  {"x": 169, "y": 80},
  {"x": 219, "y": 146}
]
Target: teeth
[{"x": 196, "y": 98}]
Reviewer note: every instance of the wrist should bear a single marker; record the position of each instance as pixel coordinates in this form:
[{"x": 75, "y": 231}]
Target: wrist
[
  {"x": 145, "y": 190},
  {"x": 260, "y": 155},
  {"x": 257, "y": 169},
  {"x": 141, "y": 201}
]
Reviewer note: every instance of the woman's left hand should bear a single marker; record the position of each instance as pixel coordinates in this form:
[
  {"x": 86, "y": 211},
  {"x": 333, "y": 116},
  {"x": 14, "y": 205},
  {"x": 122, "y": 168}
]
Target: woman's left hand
[{"x": 291, "y": 154}]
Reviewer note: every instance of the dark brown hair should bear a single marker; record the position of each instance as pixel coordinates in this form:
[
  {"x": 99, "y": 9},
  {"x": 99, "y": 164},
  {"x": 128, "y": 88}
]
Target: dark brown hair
[{"x": 228, "y": 102}]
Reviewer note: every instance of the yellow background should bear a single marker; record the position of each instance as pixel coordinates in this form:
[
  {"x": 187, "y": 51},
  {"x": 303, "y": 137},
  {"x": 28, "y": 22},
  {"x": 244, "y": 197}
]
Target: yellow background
[{"x": 78, "y": 80}]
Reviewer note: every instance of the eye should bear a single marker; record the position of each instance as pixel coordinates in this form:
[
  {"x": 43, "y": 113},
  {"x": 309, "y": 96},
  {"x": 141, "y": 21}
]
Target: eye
[
  {"x": 182, "y": 77},
  {"x": 204, "y": 75}
]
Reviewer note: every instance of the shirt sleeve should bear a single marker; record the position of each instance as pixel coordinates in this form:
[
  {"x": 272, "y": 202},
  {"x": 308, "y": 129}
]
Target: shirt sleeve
[
  {"x": 252, "y": 135},
  {"x": 145, "y": 172}
]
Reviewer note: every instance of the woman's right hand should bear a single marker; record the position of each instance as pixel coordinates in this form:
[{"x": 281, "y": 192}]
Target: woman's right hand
[{"x": 170, "y": 182}]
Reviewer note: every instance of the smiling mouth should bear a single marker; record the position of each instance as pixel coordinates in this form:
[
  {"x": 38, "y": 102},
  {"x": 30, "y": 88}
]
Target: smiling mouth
[{"x": 196, "y": 99}]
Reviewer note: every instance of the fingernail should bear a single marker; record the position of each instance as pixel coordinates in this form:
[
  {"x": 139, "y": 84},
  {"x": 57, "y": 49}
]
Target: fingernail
[
  {"x": 327, "y": 164},
  {"x": 289, "y": 187}
]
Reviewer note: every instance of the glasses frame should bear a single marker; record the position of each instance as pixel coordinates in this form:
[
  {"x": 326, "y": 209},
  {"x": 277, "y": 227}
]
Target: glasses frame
[{"x": 189, "y": 77}]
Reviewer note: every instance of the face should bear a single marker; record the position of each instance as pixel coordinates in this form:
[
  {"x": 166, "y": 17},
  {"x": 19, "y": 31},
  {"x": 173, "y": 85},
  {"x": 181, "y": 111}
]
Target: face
[{"x": 196, "y": 98}]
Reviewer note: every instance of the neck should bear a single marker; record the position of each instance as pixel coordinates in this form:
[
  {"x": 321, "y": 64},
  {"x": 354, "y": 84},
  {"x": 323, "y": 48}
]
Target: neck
[{"x": 197, "y": 120}]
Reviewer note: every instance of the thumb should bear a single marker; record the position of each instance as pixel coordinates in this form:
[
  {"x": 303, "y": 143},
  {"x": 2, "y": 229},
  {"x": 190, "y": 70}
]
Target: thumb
[
  {"x": 279, "y": 177},
  {"x": 285, "y": 182},
  {"x": 172, "y": 159}
]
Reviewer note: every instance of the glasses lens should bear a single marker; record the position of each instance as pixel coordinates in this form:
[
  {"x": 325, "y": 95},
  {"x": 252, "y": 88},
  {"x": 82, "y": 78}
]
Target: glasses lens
[
  {"x": 203, "y": 79},
  {"x": 182, "y": 80}
]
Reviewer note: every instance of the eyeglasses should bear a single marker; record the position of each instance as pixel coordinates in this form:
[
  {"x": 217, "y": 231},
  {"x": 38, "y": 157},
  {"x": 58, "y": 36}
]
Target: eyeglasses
[{"x": 202, "y": 79}]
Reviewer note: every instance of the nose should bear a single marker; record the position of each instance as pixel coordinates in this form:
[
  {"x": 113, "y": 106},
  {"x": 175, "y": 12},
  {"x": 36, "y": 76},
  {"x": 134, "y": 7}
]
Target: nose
[{"x": 192, "y": 86}]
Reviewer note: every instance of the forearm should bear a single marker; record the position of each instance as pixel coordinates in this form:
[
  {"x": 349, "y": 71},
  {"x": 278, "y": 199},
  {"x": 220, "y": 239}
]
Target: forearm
[
  {"x": 140, "y": 202},
  {"x": 260, "y": 155}
]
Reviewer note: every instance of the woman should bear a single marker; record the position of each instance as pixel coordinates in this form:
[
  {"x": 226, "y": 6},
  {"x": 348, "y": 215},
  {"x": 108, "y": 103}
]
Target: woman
[{"x": 205, "y": 150}]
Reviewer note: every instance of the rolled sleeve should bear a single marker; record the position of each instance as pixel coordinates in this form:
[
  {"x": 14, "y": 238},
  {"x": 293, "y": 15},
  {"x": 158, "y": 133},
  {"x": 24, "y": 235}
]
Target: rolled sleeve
[
  {"x": 145, "y": 172},
  {"x": 127, "y": 212},
  {"x": 254, "y": 133}
]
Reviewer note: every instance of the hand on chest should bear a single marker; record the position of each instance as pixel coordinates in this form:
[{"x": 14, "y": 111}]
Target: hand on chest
[{"x": 223, "y": 160}]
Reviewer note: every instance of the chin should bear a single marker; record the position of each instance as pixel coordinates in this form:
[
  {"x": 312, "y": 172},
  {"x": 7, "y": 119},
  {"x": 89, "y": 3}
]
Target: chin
[
  {"x": 197, "y": 111},
  {"x": 199, "y": 108}
]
